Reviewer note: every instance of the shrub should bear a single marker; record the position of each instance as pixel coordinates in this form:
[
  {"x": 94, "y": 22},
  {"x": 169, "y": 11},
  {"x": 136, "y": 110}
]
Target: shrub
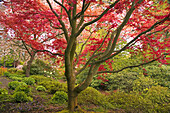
[
  {"x": 131, "y": 103},
  {"x": 24, "y": 88},
  {"x": 160, "y": 96},
  {"x": 16, "y": 78},
  {"x": 12, "y": 70},
  {"x": 39, "y": 67},
  {"x": 90, "y": 96},
  {"x": 12, "y": 76},
  {"x": 21, "y": 96},
  {"x": 13, "y": 84},
  {"x": 60, "y": 97},
  {"x": 40, "y": 88},
  {"x": 29, "y": 80},
  {"x": 6, "y": 74},
  {"x": 53, "y": 86},
  {"x": 40, "y": 78},
  {"x": 4, "y": 96},
  {"x": 122, "y": 82},
  {"x": 143, "y": 84},
  {"x": 3, "y": 91},
  {"x": 20, "y": 72}
]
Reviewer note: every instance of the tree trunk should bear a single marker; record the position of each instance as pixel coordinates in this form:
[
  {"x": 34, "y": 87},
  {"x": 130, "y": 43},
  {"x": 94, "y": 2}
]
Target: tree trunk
[
  {"x": 72, "y": 101},
  {"x": 28, "y": 67}
]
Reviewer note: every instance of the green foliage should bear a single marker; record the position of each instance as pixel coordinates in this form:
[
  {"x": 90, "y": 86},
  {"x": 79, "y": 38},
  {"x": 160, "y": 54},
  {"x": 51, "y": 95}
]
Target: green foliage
[
  {"x": 142, "y": 84},
  {"x": 13, "y": 84},
  {"x": 3, "y": 91},
  {"x": 60, "y": 97},
  {"x": 122, "y": 81},
  {"x": 12, "y": 70},
  {"x": 159, "y": 74},
  {"x": 4, "y": 96},
  {"x": 40, "y": 88},
  {"x": 90, "y": 96},
  {"x": 20, "y": 72},
  {"x": 40, "y": 78},
  {"x": 21, "y": 96},
  {"x": 8, "y": 60},
  {"x": 16, "y": 78},
  {"x": 131, "y": 103},
  {"x": 6, "y": 74},
  {"x": 53, "y": 86},
  {"x": 24, "y": 88},
  {"x": 160, "y": 96},
  {"x": 39, "y": 67},
  {"x": 29, "y": 80}
]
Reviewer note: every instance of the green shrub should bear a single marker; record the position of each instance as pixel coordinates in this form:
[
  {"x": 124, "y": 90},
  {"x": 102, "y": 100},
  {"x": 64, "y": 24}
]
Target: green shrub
[
  {"x": 53, "y": 86},
  {"x": 90, "y": 96},
  {"x": 24, "y": 88},
  {"x": 40, "y": 88},
  {"x": 20, "y": 72},
  {"x": 22, "y": 83},
  {"x": 12, "y": 76},
  {"x": 40, "y": 78},
  {"x": 4, "y": 96},
  {"x": 60, "y": 97},
  {"x": 160, "y": 97},
  {"x": 29, "y": 80},
  {"x": 6, "y": 74},
  {"x": 3, "y": 91},
  {"x": 16, "y": 78},
  {"x": 38, "y": 67},
  {"x": 13, "y": 84},
  {"x": 143, "y": 84},
  {"x": 12, "y": 70},
  {"x": 21, "y": 96},
  {"x": 131, "y": 103},
  {"x": 122, "y": 82}
]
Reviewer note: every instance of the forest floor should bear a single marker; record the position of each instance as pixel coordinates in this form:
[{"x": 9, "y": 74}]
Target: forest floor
[{"x": 40, "y": 103}]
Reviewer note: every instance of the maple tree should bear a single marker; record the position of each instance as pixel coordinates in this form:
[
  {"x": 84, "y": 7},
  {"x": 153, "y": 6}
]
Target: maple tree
[
  {"x": 92, "y": 31},
  {"x": 29, "y": 33}
]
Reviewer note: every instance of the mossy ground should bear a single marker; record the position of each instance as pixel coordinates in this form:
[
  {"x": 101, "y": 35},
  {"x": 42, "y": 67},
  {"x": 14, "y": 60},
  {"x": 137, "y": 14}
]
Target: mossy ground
[{"x": 41, "y": 103}]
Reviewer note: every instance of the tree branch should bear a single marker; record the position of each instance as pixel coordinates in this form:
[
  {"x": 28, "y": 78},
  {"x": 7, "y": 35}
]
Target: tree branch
[
  {"x": 61, "y": 22},
  {"x": 98, "y": 18},
  {"x": 49, "y": 52},
  {"x": 131, "y": 66},
  {"x": 133, "y": 40}
]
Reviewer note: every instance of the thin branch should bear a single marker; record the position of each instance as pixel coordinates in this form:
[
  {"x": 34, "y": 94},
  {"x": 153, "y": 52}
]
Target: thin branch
[
  {"x": 49, "y": 52},
  {"x": 61, "y": 22},
  {"x": 131, "y": 66},
  {"x": 63, "y": 8},
  {"x": 98, "y": 18},
  {"x": 133, "y": 40},
  {"x": 93, "y": 56}
]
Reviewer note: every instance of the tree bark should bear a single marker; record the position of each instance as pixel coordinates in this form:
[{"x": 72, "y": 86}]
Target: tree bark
[{"x": 28, "y": 67}]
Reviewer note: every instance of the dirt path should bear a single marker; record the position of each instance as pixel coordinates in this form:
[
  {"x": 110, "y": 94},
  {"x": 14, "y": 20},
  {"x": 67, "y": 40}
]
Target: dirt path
[{"x": 4, "y": 81}]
